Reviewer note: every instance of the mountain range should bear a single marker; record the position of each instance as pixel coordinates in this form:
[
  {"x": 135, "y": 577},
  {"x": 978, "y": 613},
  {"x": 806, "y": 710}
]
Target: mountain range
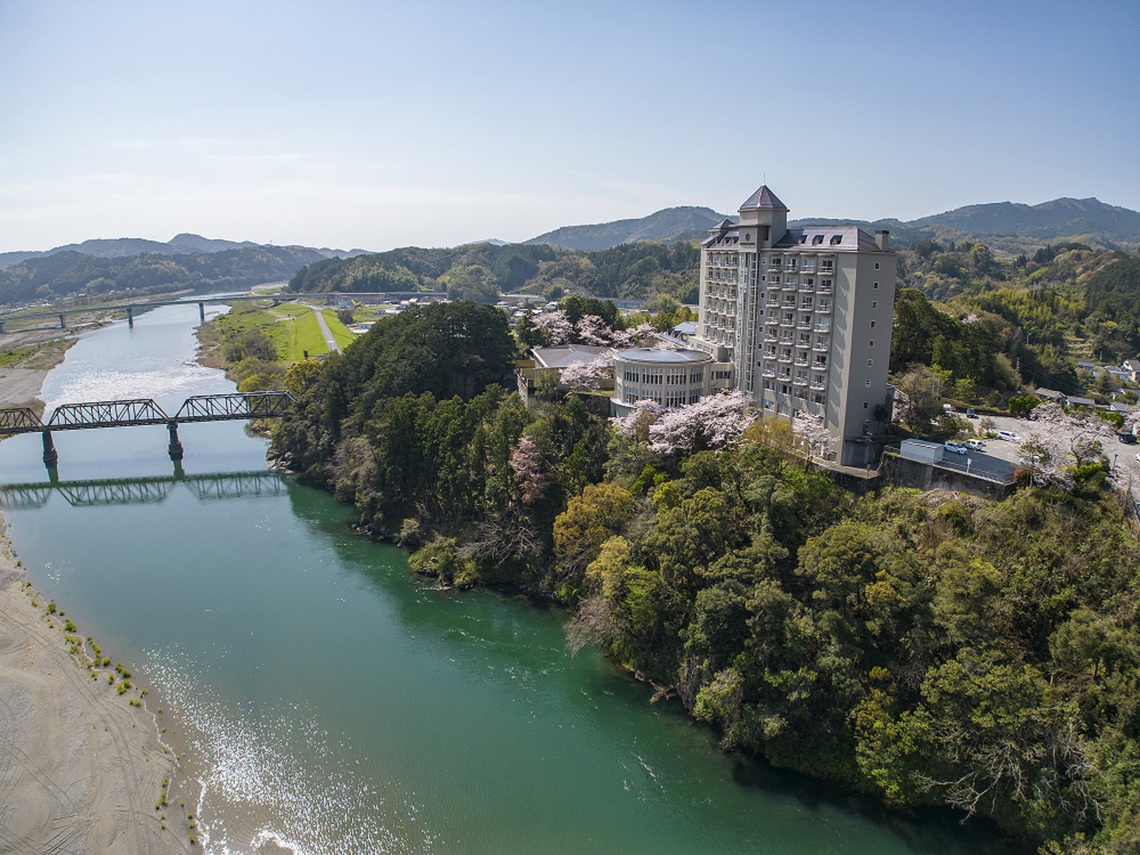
[
  {"x": 182, "y": 244},
  {"x": 1008, "y": 226}
]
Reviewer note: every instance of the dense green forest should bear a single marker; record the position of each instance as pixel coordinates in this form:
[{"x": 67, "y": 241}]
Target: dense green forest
[
  {"x": 633, "y": 271},
  {"x": 992, "y": 327},
  {"x": 73, "y": 274},
  {"x": 927, "y": 648}
]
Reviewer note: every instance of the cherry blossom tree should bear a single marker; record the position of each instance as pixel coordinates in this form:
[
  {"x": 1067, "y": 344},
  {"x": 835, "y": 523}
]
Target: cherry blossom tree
[
  {"x": 635, "y": 424},
  {"x": 810, "y": 429},
  {"x": 589, "y": 375},
  {"x": 591, "y": 329},
  {"x": 555, "y": 327},
  {"x": 1058, "y": 441},
  {"x": 711, "y": 422},
  {"x": 530, "y": 470},
  {"x": 639, "y": 336}
]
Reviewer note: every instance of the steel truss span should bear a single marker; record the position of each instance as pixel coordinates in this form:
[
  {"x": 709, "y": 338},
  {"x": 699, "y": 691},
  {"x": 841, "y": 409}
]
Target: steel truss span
[{"x": 144, "y": 411}]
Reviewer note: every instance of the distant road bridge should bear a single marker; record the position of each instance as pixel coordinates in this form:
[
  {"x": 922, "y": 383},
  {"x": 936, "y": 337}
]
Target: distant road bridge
[
  {"x": 138, "y": 491},
  {"x": 277, "y": 297},
  {"x": 143, "y": 411}
]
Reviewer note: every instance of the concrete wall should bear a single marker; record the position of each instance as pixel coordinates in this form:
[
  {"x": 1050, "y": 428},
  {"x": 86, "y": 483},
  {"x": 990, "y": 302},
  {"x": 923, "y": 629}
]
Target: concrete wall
[{"x": 900, "y": 472}]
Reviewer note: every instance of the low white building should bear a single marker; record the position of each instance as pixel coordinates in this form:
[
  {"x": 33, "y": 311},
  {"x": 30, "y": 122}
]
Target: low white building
[{"x": 668, "y": 376}]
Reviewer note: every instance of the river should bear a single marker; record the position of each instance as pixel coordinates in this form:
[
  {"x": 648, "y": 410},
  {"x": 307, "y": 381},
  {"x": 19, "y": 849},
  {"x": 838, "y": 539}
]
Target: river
[{"x": 331, "y": 702}]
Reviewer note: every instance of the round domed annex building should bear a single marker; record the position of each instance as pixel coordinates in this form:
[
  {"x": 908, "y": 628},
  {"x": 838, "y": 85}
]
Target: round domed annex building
[{"x": 670, "y": 377}]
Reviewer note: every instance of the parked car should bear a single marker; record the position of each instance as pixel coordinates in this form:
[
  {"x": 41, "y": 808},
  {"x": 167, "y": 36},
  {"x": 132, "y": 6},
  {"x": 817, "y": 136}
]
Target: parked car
[
  {"x": 974, "y": 444},
  {"x": 955, "y": 447},
  {"x": 970, "y": 414},
  {"x": 1127, "y": 437},
  {"x": 1008, "y": 436}
]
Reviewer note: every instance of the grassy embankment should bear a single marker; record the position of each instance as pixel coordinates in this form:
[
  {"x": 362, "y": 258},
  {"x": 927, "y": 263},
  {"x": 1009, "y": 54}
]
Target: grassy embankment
[{"x": 257, "y": 344}]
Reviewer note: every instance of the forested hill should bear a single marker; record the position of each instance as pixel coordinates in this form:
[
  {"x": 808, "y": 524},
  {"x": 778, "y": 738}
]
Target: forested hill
[
  {"x": 927, "y": 649},
  {"x": 67, "y": 274},
  {"x": 665, "y": 226},
  {"x": 479, "y": 272},
  {"x": 178, "y": 245}
]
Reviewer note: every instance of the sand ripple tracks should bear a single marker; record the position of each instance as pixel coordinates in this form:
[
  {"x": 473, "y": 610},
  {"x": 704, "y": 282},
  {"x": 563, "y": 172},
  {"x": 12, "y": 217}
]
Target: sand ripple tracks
[{"x": 77, "y": 765}]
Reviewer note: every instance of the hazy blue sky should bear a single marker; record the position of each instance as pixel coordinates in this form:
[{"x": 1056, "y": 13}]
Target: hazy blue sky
[{"x": 378, "y": 124}]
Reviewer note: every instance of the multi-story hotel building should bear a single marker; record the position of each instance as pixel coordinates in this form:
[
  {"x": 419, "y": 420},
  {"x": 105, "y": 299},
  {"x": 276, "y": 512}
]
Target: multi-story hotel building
[{"x": 804, "y": 316}]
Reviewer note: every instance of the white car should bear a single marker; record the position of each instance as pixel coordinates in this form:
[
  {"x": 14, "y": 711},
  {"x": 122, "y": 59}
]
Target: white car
[
  {"x": 974, "y": 444},
  {"x": 1008, "y": 436},
  {"x": 955, "y": 447}
]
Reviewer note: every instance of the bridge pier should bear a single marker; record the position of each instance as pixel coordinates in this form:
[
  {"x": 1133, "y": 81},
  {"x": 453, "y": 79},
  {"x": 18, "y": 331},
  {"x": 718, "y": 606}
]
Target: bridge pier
[
  {"x": 62, "y": 325},
  {"x": 51, "y": 456},
  {"x": 175, "y": 447},
  {"x": 130, "y": 317},
  {"x": 201, "y": 313}
]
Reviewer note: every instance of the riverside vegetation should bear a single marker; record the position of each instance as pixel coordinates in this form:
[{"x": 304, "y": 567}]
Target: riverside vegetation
[{"x": 928, "y": 648}]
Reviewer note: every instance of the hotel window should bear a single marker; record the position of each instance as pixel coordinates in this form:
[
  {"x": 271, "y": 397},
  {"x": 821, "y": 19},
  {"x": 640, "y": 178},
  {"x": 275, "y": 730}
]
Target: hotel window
[
  {"x": 876, "y": 265},
  {"x": 871, "y": 343},
  {"x": 868, "y": 383},
  {"x": 870, "y": 363},
  {"x": 872, "y": 324},
  {"x": 874, "y": 304},
  {"x": 876, "y": 286}
]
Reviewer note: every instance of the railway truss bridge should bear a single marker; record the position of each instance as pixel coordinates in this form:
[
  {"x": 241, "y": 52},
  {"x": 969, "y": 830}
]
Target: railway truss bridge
[{"x": 143, "y": 411}]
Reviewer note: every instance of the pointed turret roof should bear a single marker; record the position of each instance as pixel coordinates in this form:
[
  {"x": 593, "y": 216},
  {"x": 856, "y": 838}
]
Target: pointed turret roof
[{"x": 763, "y": 199}]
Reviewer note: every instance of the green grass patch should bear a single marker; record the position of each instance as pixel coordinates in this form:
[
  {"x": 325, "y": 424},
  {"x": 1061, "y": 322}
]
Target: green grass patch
[{"x": 343, "y": 335}]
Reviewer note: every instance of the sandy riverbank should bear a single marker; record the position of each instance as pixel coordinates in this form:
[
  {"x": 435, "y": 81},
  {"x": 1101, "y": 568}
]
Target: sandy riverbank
[{"x": 80, "y": 768}]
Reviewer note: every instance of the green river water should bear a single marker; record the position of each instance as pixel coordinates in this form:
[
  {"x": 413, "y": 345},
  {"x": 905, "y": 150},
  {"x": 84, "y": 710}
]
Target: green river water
[{"x": 328, "y": 700}]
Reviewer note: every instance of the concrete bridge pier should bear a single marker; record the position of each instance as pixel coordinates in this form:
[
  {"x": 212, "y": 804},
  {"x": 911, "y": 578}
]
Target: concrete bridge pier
[
  {"x": 202, "y": 312},
  {"x": 130, "y": 317},
  {"x": 51, "y": 456},
  {"x": 175, "y": 447},
  {"x": 62, "y": 325}
]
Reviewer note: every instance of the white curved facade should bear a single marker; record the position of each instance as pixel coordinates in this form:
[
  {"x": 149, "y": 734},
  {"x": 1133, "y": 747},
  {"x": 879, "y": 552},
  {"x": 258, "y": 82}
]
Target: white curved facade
[{"x": 668, "y": 377}]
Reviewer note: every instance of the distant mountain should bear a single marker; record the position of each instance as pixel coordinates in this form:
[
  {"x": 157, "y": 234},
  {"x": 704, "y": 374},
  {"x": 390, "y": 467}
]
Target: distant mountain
[
  {"x": 1050, "y": 220},
  {"x": 1007, "y": 226},
  {"x": 68, "y": 273},
  {"x": 178, "y": 245},
  {"x": 666, "y": 226}
]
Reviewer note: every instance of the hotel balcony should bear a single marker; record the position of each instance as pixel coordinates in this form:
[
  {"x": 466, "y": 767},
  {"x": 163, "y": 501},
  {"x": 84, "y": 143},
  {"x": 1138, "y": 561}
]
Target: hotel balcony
[
  {"x": 807, "y": 288},
  {"x": 823, "y": 328},
  {"x": 787, "y": 360},
  {"x": 802, "y": 363},
  {"x": 769, "y": 372},
  {"x": 801, "y": 381},
  {"x": 770, "y": 337},
  {"x": 822, "y": 348},
  {"x": 818, "y": 387},
  {"x": 825, "y": 289},
  {"x": 823, "y": 309},
  {"x": 790, "y": 285},
  {"x": 788, "y": 324},
  {"x": 804, "y": 325}
]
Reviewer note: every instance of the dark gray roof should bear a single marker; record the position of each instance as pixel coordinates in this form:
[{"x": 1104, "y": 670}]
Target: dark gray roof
[
  {"x": 662, "y": 355},
  {"x": 828, "y": 239},
  {"x": 723, "y": 225},
  {"x": 763, "y": 198}
]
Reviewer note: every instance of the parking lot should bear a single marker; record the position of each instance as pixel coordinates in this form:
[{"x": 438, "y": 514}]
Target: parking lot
[{"x": 1001, "y": 456}]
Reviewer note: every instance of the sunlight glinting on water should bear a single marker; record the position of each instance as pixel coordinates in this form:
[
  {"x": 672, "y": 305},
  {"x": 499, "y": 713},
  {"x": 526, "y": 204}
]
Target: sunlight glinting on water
[{"x": 251, "y": 765}]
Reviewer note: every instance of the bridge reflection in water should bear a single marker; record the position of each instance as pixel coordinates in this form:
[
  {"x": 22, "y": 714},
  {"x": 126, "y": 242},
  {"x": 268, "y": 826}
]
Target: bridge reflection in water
[{"x": 142, "y": 491}]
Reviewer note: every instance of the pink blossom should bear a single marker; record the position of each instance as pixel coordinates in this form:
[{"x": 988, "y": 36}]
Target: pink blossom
[{"x": 588, "y": 375}]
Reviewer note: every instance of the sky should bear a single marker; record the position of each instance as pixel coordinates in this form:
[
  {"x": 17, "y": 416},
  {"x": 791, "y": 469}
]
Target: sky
[{"x": 373, "y": 124}]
